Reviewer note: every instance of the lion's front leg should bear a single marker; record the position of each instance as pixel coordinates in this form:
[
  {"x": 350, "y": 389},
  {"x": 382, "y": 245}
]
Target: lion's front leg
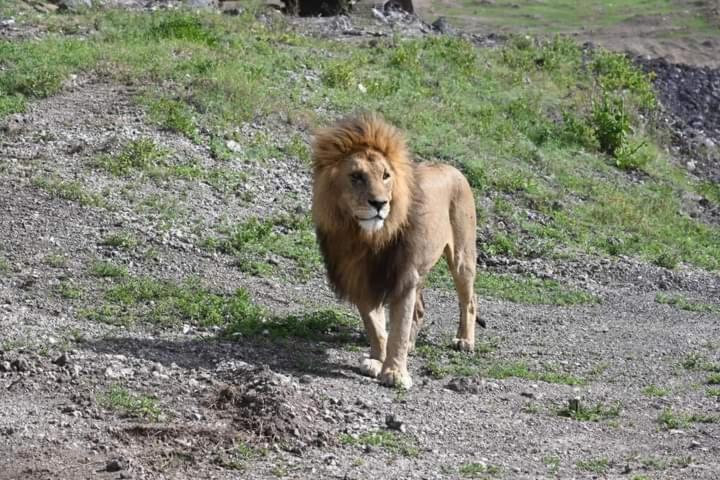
[
  {"x": 394, "y": 369},
  {"x": 374, "y": 321}
]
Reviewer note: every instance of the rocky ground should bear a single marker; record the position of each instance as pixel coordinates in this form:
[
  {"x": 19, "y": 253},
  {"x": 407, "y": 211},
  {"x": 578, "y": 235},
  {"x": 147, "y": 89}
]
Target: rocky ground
[{"x": 622, "y": 388}]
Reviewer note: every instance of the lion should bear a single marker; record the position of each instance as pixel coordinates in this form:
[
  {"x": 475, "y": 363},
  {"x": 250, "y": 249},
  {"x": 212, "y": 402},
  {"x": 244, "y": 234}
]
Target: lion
[{"x": 382, "y": 222}]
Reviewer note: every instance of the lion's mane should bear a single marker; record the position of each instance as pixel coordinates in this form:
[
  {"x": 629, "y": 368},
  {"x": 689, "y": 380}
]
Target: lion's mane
[{"x": 364, "y": 267}]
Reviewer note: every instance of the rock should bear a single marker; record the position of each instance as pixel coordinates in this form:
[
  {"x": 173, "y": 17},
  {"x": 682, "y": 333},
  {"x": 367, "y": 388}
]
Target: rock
[
  {"x": 5, "y": 366},
  {"x": 393, "y": 423},
  {"x": 74, "y": 5},
  {"x": 20, "y": 365},
  {"x": 463, "y": 385},
  {"x": 62, "y": 360},
  {"x": 441, "y": 25},
  {"x": 202, "y": 3},
  {"x": 116, "y": 465},
  {"x": 233, "y": 146}
]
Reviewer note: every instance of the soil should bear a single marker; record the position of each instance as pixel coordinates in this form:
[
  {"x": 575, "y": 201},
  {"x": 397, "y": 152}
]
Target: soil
[{"x": 262, "y": 408}]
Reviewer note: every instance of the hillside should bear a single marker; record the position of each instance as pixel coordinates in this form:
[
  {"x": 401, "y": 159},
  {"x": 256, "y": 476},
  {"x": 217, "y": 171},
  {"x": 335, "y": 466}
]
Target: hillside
[{"x": 163, "y": 307}]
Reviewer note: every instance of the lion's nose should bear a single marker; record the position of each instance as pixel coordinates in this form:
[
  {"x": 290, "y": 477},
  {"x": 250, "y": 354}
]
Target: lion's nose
[{"x": 378, "y": 204}]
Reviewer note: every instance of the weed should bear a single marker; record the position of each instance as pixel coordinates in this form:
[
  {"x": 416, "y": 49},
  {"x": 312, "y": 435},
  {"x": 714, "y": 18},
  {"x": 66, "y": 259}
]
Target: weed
[
  {"x": 683, "y": 303},
  {"x": 4, "y": 265},
  {"x": 174, "y": 115},
  {"x": 578, "y": 411},
  {"x": 107, "y": 270},
  {"x": 596, "y": 465},
  {"x": 654, "y": 391},
  {"x": 236, "y": 458},
  {"x": 122, "y": 240},
  {"x": 611, "y": 124},
  {"x": 69, "y": 190},
  {"x": 122, "y": 400},
  {"x": 325, "y": 325},
  {"x": 713, "y": 392},
  {"x": 713, "y": 379},
  {"x": 392, "y": 442},
  {"x": 699, "y": 362},
  {"x": 67, "y": 290},
  {"x": 670, "y": 420},
  {"x": 56, "y": 260},
  {"x": 476, "y": 470},
  {"x": 552, "y": 463},
  {"x": 255, "y": 242},
  {"x": 667, "y": 260},
  {"x": 141, "y": 154}
]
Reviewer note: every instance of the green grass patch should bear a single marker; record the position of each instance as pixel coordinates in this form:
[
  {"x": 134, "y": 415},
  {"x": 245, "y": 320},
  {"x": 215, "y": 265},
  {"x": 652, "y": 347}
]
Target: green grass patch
[
  {"x": 478, "y": 470},
  {"x": 55, "y": 260},
  {"x": 655, "y": 391},
  {"x": 713, "y": 392},
  {"x": 663, "y": 463},
  {"x": 713, "y": 379},
  {"x": 595, "y": 465},
  {"x": 4, "y": 265},
  {"x": 130, "y": 404},
  {"x": 699, "y": 362},
  {"x": 69, "y": 190},
  {"x": 443, "y": 361},
  {"x": 392, "y": 442},
  {"x": 121, "y": 240},
  {"x": 141, "y": 154},
  {"x": 577, "y": 410},
  {"x": 517, "y": 289},
  {"x": 105, "y": 269},
  {"x": 257, "y": 243},
  {"x": 68, "y": 290},
  {"x": 684, "y": 303},
  {"x": 671, "y": 420}
]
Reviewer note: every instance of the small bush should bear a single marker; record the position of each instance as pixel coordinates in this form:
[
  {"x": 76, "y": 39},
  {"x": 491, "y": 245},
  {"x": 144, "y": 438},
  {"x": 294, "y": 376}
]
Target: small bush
[
  {"x": 611, "y": 124},
  {"x": 140, "y": 154},
  {"x": 339, "y": 75}
]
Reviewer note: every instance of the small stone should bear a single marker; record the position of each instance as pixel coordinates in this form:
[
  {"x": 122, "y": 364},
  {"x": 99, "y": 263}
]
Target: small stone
[
  {"x": 20, "y": 365},
  {"x": 393, "y": 423},
  {"x": 306, "y": 379},
  {"x": 62, "y": 360},
  {"x": 233, "y": 146},
  {"x": 5, "y": 366},
  {"x": 115, "y": 465}
]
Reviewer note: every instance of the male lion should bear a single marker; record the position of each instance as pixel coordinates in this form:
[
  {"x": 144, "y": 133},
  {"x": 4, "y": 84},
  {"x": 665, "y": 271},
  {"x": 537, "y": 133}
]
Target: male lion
[{"x": 382, "y": 223}]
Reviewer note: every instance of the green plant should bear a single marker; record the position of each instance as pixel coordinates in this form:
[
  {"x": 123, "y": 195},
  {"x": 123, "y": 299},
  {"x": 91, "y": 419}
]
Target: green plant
[
  {"x": 122, "y": 240},
  {"x": 596, "y": 465},
  {"x": 107, "y": 269},
  {"x": 120, "y": 399},
  {"x": 655, "y": 391},
  {"x": 141, "y": 154},
  {"x": 683, "y": 303},
  {"x": 611, "y": 124},
  {"x": 392, "y": 442},
  {"x": 56, "y": 260},
  {"x": 478, "y": 470},
  {"x": 68, "y": 190},
  {"x": 578, "y": 411}
]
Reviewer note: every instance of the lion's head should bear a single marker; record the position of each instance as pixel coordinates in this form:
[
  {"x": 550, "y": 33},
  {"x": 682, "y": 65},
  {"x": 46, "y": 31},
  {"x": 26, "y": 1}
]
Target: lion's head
[{"x": 363, "y": 179}]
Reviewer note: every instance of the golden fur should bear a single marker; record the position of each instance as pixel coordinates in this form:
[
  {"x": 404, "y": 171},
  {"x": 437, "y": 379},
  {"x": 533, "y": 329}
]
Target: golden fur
[{"x": 382, "y": 222}]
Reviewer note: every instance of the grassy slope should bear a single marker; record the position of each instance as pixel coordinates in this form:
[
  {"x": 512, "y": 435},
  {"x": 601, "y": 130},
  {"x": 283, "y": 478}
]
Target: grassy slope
[{"x": 546, "y": 133}]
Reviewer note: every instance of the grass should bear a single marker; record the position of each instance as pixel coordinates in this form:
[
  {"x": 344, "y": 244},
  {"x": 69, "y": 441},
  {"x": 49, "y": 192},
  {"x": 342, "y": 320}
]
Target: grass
[
  {"x": 442, "y": 361},
  {"x": 107, "y": 270},
  {"x": 517, "y": 289},
  {"x": 69, "y": 190},
  {"x": 121, "y": 240},
  {"x": 257, "y": 244},
  {"x": 655, "y": 391},
  {"x": 121, "y": 400},
  {"x": 595, "y": 465},
  {"x": 534, "y": 124},
  {"x": 392, "y": 442},
  {"x": 67, "y": 290},
  {"x": 238, "y": 457},
  {"x": 576, "y": 410},
  {"x": 4, "y": 265},
  {"x": 663, "y": 463},
  {"x": 671, "y": 420},
  {"x": 684, "y": 303},
  {"x": 713, "y": 392},
  {"x": 167, "y": 303},
  {"x": 55, "y": 260},
  {"x": 478, "y": 470},
  {"x": 699, "y": 362}
]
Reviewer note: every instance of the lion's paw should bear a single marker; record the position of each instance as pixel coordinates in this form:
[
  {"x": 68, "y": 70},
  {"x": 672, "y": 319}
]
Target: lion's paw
[
  {"x": 463, "y": 345},
  {"x": 396, "y": 378},
  {"x": 371, "y": 367}
]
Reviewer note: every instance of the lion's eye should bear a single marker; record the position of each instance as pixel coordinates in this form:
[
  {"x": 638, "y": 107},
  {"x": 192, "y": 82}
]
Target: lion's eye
[
  {"x": 356, "y": 177},
  {"x": 386, "y": 175}
]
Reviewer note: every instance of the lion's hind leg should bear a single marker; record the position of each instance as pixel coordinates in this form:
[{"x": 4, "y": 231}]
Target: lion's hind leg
[{"x": 462, "y": 268}]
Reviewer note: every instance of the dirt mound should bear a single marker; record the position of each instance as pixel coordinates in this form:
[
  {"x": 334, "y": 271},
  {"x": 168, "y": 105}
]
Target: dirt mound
[
  {"x": 691, "y": 97},
  {"x": 274, "y": 408}
]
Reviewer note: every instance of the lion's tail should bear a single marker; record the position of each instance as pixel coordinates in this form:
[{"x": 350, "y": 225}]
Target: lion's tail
[{"x": 480, "y": 321}]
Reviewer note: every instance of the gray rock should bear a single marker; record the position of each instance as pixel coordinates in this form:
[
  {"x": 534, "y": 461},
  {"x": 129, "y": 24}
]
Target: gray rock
[{"x": 74, "y": 5}]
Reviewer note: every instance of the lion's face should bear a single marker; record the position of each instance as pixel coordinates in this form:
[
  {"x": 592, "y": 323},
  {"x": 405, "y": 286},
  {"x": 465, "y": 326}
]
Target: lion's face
[{"x": 367, "y": 190}]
